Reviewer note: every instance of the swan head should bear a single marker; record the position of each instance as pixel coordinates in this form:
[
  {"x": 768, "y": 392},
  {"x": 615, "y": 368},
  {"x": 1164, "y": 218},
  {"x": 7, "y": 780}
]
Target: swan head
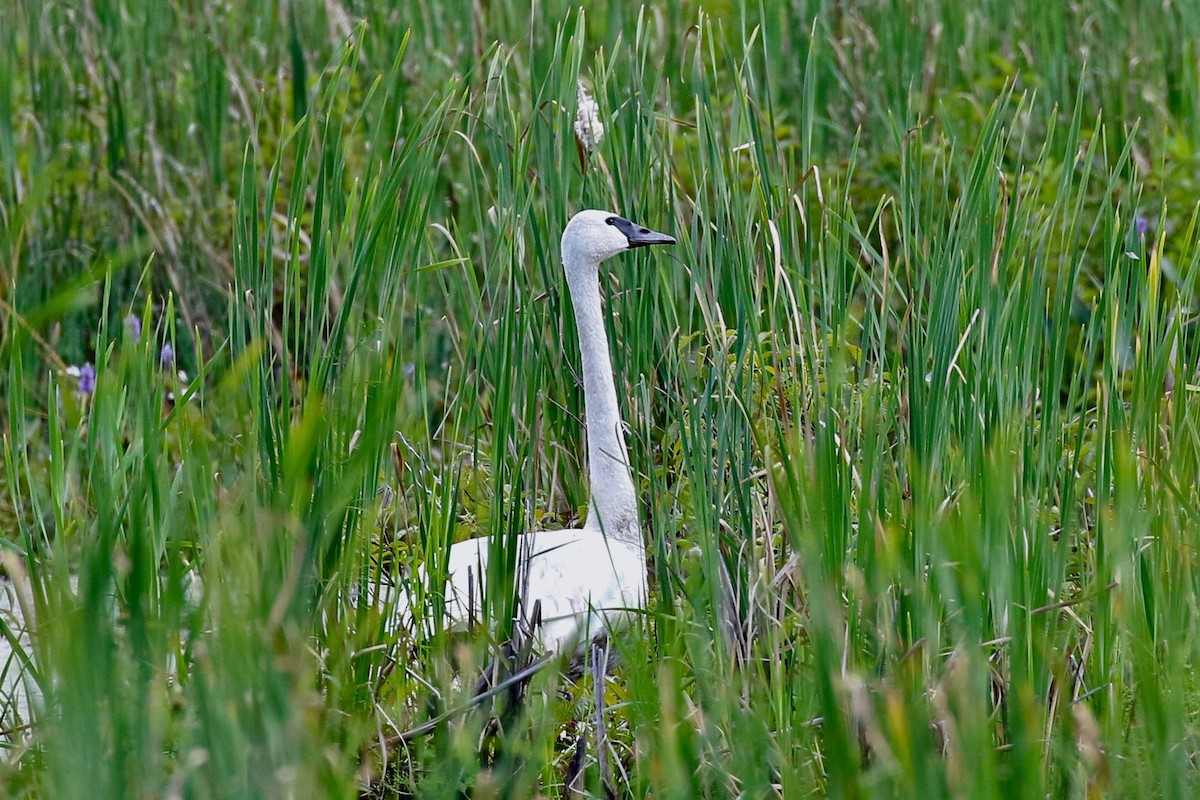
[{"x": 597, "y": 235}]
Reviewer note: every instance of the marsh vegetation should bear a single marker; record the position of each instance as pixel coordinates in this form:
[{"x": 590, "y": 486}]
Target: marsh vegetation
[{"x": 911, "y": 406}]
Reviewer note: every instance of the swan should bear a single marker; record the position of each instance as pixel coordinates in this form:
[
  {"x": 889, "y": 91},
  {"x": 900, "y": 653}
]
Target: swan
[{"x": 588, "y": 579}]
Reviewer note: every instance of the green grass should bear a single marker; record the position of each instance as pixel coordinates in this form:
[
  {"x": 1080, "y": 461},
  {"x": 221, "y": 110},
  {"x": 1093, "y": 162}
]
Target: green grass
[{"x": 918, "y": 384}]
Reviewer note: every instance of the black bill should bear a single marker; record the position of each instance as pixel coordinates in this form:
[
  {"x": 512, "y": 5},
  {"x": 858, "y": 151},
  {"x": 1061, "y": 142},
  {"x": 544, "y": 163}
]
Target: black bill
[{"x": 639, "y": 236}]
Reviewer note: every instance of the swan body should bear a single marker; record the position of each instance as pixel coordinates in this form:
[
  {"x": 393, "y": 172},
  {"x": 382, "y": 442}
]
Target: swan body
[
  {"x": 586, "y": 584},
  {"x": 587, "y": 580},
  {"x": 19, "y": 692}
]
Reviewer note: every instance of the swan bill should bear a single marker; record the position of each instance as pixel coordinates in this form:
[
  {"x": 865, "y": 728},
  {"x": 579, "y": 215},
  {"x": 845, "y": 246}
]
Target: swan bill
[{"x": 639, "y": 235}]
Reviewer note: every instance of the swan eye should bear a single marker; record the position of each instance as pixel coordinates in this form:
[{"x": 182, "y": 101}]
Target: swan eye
[{"x": 610, "y": 221}]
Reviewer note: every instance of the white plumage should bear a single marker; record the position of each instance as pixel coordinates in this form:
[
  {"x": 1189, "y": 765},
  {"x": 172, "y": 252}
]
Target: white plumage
[
  {"x": 586, "y": 583},
  {"x": 590, "y": 579}
]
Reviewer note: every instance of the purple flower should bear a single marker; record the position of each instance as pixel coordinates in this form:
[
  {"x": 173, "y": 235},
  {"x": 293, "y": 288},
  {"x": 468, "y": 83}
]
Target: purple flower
[
  {"x": 133, "y": 328},
  {"x": 166, "y": 358},
  {"x": 1142, "y": 224},
  {"x": 388, "y": 494},
  {"x": 87, "y": 379}
]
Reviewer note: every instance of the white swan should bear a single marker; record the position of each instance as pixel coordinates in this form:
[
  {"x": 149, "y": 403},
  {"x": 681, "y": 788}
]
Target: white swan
[{"x": 586, "y": 579}]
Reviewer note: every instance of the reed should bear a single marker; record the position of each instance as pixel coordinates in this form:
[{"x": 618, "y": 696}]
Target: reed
[{"x": 911, "y": 404}]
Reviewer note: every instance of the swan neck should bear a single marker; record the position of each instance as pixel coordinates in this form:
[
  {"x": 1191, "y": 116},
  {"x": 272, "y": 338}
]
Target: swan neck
[{"x": 613, "y": 505}]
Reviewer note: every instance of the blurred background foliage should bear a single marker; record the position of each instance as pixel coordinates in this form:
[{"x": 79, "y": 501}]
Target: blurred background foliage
[{"x": 911, "y": 405}]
